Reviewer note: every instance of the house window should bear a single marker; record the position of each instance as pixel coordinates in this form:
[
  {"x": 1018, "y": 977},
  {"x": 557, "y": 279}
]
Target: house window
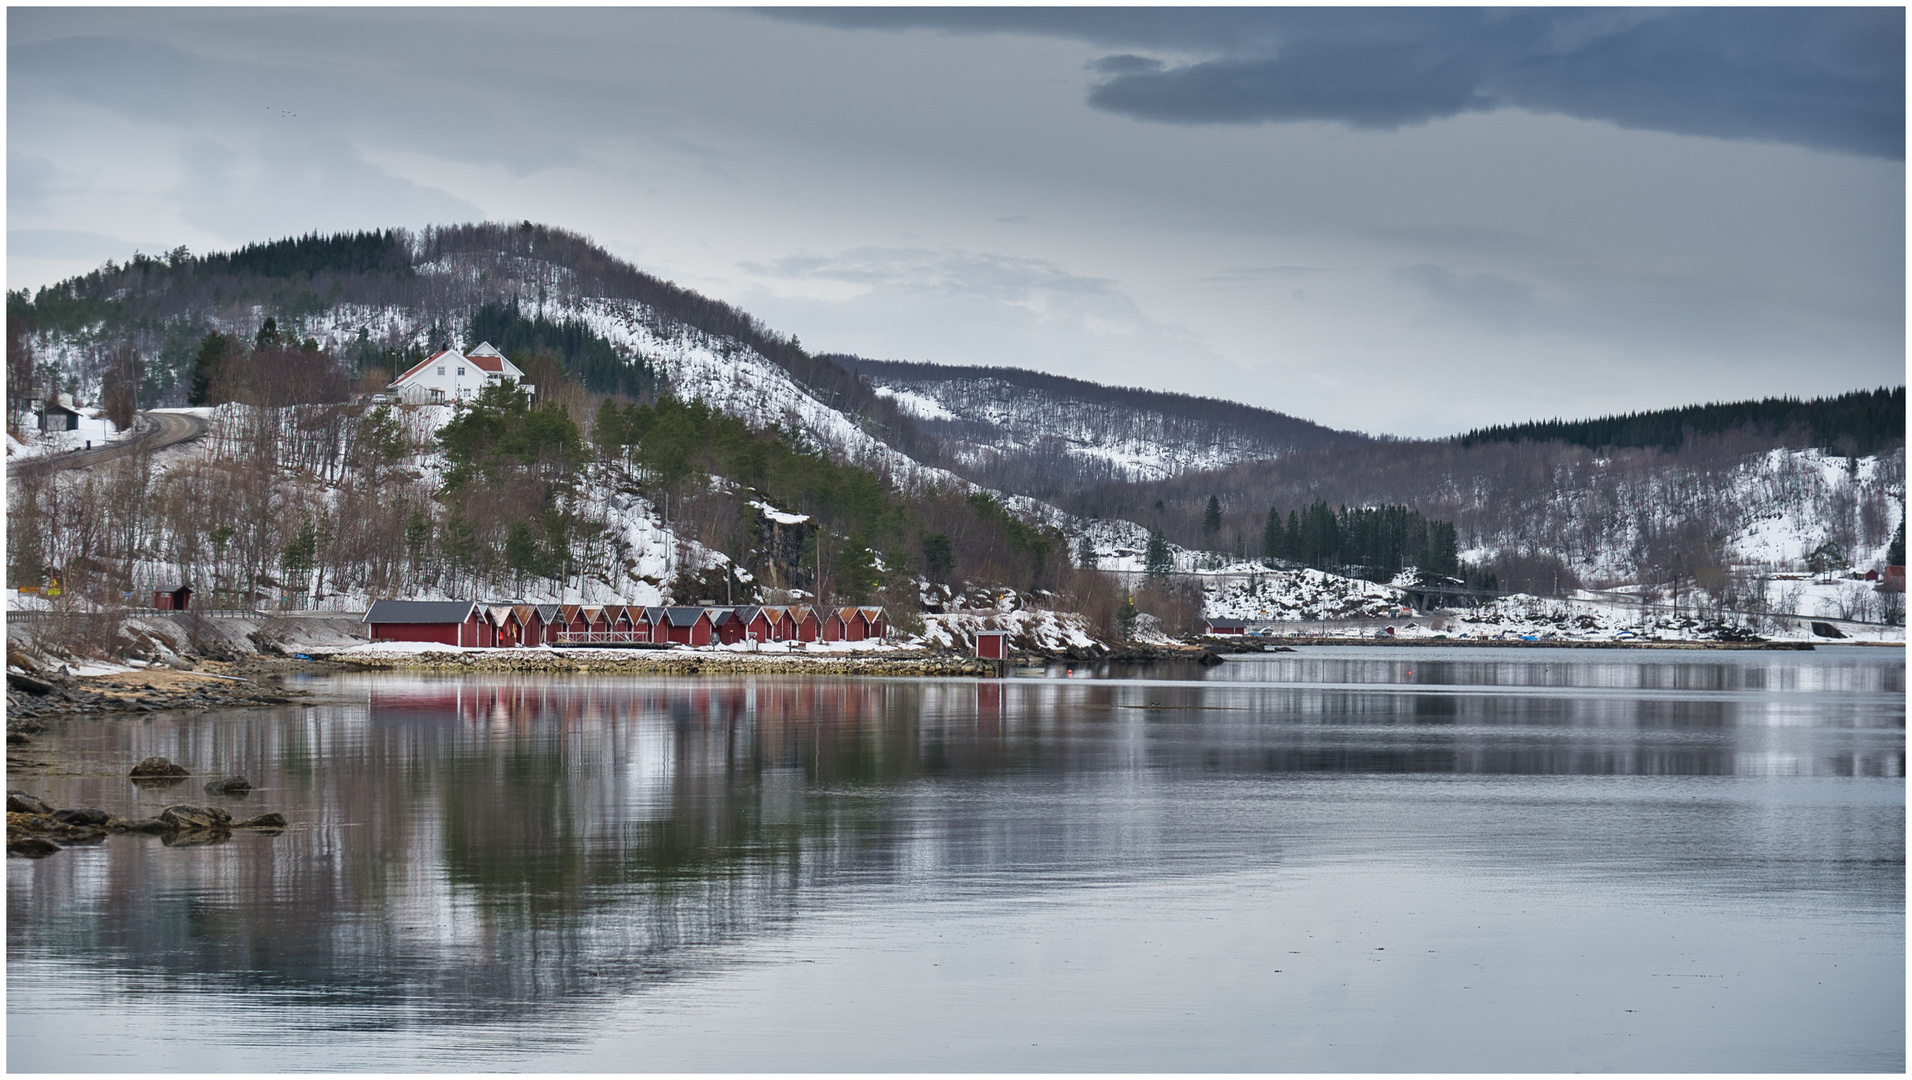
[
  {"x": 441, "y": 369},
  {"x": 461, "y": 371}
]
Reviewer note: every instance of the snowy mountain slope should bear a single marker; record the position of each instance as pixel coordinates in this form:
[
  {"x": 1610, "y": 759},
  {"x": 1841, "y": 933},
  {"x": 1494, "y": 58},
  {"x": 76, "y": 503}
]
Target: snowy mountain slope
[{"x": 1060, "y": 430}]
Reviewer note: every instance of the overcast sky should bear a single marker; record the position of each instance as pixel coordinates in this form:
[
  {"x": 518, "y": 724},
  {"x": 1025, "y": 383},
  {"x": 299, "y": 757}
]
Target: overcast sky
[{"x": 1404, "y": 221}]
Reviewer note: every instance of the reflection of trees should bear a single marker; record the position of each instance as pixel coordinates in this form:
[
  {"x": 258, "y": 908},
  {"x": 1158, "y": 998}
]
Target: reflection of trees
[{"x": 465, "y": 847}]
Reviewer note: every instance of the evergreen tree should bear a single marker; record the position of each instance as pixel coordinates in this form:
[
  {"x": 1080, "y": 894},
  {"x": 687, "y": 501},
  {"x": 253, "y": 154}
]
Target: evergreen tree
[
  {"x": 1274, "y": 540},
  {"x": 208, "y": 363},
  {"x": 1895, "y": 555},
  {"x": 1212, "y": 517},
  {"x": 1158, "y": 563},
  {"x": 267, "y": 337}
]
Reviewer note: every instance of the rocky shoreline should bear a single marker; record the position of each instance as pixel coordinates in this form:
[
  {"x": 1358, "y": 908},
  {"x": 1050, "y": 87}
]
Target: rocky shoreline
[{"x": 33, "y": 698}]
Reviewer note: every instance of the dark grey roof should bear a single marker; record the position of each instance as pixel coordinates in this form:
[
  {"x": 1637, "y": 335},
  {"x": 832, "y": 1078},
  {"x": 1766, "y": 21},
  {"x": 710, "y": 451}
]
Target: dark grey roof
[
  {"x": 548, "y": 612},
  {"x": 418, "y": 611},
  {"x": 684, "y": 616},
  {"x": 748, "y": 613},
  {"x": 1231, "y": 624},
  {"x": 721, "y": 615}
]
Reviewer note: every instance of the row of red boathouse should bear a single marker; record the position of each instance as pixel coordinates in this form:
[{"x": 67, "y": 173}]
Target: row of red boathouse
[{"x": 505, "y": 625}]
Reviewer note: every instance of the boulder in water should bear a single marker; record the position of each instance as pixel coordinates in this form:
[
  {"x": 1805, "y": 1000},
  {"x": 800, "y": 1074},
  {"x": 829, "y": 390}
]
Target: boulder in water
[
  {"x": 19, "y": 802},
  {"x": 157, "y": 768},
  {"x": 188, "y": 818}
]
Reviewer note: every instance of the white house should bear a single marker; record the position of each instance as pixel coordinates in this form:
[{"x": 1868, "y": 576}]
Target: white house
[{"x": 456, "y": 376}]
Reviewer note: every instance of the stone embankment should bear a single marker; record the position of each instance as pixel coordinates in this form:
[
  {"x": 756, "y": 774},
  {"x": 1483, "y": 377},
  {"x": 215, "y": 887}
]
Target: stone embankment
[{"x": 667, "y": 662}]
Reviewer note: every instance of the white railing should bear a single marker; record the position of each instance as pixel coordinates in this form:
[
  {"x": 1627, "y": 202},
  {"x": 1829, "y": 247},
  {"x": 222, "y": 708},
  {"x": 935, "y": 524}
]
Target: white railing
[{"x": 602, "y": 637}]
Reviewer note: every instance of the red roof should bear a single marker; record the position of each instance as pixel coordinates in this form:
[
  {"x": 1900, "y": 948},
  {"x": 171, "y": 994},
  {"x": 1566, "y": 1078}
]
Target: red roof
[
  {"x": 422, "y": 365},
  {"x": 493, "y": 364}
]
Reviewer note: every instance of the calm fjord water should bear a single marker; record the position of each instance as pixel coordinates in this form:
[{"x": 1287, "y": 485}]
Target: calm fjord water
[{"x": 1340, "y": 859}]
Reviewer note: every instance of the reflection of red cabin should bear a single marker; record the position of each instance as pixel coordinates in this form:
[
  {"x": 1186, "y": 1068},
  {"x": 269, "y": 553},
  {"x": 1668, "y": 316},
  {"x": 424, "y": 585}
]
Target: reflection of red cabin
[
  {"x": 173, "y": 599},
  {"x": 992, "y": 644},
  {"x": 446, "y": 622}
]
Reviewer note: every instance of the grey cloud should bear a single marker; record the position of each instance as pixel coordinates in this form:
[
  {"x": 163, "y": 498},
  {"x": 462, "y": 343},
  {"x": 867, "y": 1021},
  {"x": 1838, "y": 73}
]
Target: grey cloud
[
  {"x": 1124, "y": 64},
  {"x": 245, "y": 194},
  {"x": 990, "y": 276},
  {"x": 1828, "y": 78},
  {"x": 1248, "y": 275},
  {"x": 73, "y": 244},
  {"x": 1489, "y": 297},
  {"x": 29, "y": 180},
  {"x": 1478, "y": 239}
]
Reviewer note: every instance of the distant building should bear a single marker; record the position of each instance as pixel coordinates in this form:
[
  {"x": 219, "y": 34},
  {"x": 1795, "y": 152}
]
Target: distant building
[
  {"x": 451, "y": 375},
  {"x": 992, "y": 644},
  {"x": 446, "y": 622},
  {"x": 1224, "y": 627}
]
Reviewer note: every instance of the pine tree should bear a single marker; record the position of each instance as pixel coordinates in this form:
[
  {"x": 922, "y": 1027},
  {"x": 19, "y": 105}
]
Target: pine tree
[
  {"x": 1212, "y": 517},
  {"x": 1158, "y": 563}
]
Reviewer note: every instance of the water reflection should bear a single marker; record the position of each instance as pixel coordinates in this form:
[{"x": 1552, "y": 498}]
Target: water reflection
[{"x": 466, "y": 847}]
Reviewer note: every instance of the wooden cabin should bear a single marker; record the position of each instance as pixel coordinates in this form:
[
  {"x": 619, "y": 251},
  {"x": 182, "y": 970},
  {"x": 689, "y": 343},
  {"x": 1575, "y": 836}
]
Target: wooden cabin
[
  {"x": 992, "y": 644},
  {"x": 755, "y": 624},
  {"x": 173, "y": 599},
  {"x": 806, "y": 624},
  {"x": 687, "y": 625},
  {"x": 445, "y": 622}
]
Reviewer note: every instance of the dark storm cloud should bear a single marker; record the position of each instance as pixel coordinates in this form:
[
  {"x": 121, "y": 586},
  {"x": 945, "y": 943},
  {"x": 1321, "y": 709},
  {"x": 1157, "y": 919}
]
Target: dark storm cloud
[{"x": 1829, "y": 78}]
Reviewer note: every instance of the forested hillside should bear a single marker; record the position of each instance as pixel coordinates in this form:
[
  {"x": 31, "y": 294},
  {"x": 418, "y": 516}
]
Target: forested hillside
[
  {"x": 1043, "y": 434},
  {"x": 663, "y": 457},
  {"x": 1541, "y": 516},
  {"x": 1861, "y": 422},
  {"x": 377, "y": 302}
]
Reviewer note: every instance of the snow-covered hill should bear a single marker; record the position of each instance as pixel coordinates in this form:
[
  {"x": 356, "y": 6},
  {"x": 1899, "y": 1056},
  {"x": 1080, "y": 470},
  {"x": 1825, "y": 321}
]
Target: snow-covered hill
[{"x": 1050, "y": 430}]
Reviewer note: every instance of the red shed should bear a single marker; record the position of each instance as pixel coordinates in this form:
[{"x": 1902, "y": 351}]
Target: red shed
[
  {"x": 755, "y": 624},
  {"x": 687, "y": 625},
  {"x": 729, "y": 624},
  {"x": 992, "y": 644},
  {"x": 447, "y": 622},
  {"x": 805, "y": 623},
  {"x": 877, "y": 620},
  {"x": 173, "y": 599}
]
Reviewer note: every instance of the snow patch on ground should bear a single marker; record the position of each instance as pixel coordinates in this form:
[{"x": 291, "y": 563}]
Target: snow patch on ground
[
  {"x": 1258, "y": 594},
  {"x": 1029, "y": 630}
]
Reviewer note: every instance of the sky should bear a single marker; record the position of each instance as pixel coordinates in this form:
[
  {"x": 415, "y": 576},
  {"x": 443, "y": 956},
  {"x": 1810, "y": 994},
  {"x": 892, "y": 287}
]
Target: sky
[{"x": 1401, "y": 221}]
